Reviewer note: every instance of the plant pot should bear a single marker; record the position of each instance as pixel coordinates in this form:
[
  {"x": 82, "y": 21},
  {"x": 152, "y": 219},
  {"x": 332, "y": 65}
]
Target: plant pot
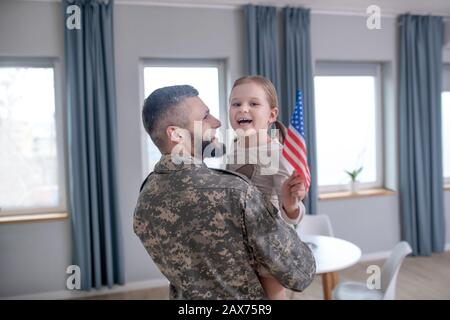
[{"x": 354, "y": 185}]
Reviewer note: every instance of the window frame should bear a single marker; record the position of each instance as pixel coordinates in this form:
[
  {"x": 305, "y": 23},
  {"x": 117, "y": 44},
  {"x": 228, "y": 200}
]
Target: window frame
[
  {"x": 352, "y": 68},
  {"x": 61, "y": 148},
  {"x": 219, "y": 63}
]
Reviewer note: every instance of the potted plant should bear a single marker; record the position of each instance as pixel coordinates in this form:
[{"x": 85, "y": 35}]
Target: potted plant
[{"x": 353, "y": 179}]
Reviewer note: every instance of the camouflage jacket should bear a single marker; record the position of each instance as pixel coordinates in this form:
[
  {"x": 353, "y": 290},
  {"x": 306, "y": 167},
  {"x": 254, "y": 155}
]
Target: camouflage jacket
[{"x": 208, "y": 231}]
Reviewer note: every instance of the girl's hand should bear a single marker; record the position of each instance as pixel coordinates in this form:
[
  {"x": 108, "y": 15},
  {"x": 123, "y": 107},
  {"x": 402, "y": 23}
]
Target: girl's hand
[{"x": 293, "y": 190}]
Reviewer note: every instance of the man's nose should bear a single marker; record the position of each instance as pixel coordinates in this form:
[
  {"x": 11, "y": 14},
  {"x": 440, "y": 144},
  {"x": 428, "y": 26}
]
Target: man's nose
[{"x": 215, "y": 123}]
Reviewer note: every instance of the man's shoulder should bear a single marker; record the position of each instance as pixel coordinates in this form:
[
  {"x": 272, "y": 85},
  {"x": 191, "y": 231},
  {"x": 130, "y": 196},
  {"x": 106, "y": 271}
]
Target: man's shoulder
[
  {"x": 201, "y": 178},
  {"x": 145, "y": 181},
  {"x": 230, "y": 178},
  {"x": 232, "y": 174}
]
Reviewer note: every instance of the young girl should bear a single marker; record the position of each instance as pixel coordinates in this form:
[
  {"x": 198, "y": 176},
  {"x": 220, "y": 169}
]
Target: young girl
[{"x": 253, "y": 109}]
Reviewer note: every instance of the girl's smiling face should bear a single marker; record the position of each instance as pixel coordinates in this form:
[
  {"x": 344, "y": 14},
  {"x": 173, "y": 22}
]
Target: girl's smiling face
[{"x": 250, "y": 110}]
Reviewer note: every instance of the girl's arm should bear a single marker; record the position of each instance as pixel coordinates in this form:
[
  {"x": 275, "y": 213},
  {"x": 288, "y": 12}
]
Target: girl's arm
[{"x": 295, "y": 213}]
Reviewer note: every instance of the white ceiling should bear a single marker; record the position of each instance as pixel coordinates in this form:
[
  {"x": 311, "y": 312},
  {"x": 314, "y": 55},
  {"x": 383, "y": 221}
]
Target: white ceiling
[{"x": 388, "y": 7}]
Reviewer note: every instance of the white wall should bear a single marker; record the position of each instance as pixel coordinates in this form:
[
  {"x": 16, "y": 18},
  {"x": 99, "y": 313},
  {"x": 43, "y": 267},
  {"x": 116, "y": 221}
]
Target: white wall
[
  {"x": 33, "y": 256},
  {"x": 447, "y": 215}
]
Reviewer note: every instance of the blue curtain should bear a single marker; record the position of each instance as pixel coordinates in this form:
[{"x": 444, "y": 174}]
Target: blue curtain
[
  {"x": 298, "y": 74},
  {"x": 91, "y": 131},
  {"x": 262, "y": 43},
  {"x": 420, "y": 147}
]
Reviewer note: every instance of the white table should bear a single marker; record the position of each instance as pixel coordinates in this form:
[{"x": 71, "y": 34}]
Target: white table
[{"x": 331, "y": 255}]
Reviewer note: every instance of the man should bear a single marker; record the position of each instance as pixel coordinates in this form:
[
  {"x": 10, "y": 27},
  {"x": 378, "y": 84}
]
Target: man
[{"x": 209, "y": 230}]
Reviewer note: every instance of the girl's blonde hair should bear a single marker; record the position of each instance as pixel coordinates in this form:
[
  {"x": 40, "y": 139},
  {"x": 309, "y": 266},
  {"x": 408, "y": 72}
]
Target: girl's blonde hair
[{"x": 272, "y": 98}]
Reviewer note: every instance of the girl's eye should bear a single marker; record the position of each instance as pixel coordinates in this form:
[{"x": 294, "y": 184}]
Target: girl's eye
[
  {"x": 235, "y": 104},
  {"x": 254, "y": 104}
]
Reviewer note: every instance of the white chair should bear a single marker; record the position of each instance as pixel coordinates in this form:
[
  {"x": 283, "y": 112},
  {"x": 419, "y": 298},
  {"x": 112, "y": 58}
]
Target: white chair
[
  {"x": 389, "y": 273},
  {"x": 315, "y": 225}
]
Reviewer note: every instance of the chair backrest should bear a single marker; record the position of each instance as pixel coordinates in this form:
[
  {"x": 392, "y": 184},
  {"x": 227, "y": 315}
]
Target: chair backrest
[
  {"x": 315, "y": 224},
  {"x": 391, "y": 267}
]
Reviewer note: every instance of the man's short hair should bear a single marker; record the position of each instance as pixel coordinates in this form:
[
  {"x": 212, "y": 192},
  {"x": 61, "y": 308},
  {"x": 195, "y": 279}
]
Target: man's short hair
[{"x": 160, "y": 111}]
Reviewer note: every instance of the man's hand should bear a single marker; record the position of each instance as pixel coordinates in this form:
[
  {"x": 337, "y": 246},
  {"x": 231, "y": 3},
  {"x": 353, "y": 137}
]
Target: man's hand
[{"x": 293, "y": 190}]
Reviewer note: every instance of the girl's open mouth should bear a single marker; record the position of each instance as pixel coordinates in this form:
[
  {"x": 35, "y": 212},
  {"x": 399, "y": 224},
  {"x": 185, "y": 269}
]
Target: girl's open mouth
[{"x": 244, "y": 121}]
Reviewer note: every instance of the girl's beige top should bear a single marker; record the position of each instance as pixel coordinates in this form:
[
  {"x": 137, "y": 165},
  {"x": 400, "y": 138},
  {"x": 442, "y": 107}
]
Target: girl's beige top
[{"x": 267, "y": 169}]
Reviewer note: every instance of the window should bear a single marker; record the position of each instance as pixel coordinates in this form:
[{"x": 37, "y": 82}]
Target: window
[
  {"x": 348, "y": 124},
  {"x": 30, "y": 158},
  {"x": 206, "y": 76},
  {"x": 446, "y": 123}
]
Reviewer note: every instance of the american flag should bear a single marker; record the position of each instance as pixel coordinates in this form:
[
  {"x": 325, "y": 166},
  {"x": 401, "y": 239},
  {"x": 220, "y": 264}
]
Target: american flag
[{"x": 294, "y": 149}]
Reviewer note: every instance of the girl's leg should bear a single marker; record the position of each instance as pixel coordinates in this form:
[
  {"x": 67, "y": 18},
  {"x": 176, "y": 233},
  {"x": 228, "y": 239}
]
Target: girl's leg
[{"x": 274, "y": 290}]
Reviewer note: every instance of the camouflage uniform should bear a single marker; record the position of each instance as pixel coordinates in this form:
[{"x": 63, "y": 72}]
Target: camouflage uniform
[{"x": 209, "y": 230}]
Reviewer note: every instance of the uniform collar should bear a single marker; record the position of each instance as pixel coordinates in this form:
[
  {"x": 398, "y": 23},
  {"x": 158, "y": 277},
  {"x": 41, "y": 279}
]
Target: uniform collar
[{"x": 168, "y": 163}]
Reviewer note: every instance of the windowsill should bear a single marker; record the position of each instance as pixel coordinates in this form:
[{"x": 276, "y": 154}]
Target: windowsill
[
  {"x": 447, "y": 187},
  {"x": 39, "y": 217},
  {"x": 358, "y": 194}
]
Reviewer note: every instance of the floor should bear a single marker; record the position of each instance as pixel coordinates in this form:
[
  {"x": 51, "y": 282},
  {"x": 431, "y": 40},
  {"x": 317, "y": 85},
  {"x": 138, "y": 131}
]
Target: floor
[{"x": 419, "y": 278}]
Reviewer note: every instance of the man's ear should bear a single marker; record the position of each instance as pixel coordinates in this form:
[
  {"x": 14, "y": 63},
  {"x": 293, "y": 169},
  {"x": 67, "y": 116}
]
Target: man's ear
[{"x": 174, "y": 134}]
